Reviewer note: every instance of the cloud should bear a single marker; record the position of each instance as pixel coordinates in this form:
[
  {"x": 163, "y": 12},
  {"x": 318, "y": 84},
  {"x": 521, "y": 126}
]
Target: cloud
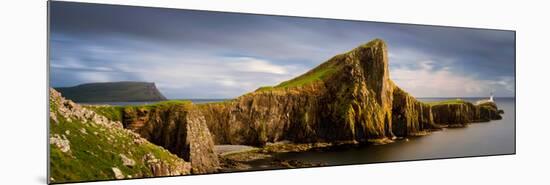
[
  {"x": 94, "y": 77},
  {"x": 195, "y": 54},
  {"x": 424, "y": 81},
  {"x": 248, "y": 64}
]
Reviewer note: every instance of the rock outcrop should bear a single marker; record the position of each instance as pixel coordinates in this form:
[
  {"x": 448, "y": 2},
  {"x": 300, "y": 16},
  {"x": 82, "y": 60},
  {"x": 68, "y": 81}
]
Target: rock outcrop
[
  {"x": 178, "y": 127},
  {"x": 463, "y": 113},
  {"x": 410, "y": 117},
  {"x": 87, "y": 146}
]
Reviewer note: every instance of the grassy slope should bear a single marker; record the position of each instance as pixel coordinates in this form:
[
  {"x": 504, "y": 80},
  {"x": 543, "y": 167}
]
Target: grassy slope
[
  {"x": 112, "y": 91},
  {"x": 114, "y": 113},
  {"x": 92, "y": 156},
  {"x": 318, "y": 73},
  {"x": 447, "y": 102}
]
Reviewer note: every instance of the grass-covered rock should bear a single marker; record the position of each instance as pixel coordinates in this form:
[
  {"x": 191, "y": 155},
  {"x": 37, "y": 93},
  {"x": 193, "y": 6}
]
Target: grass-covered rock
[
  {"x": 177, "y": 126},
  {"x": 86, "y": 146}
]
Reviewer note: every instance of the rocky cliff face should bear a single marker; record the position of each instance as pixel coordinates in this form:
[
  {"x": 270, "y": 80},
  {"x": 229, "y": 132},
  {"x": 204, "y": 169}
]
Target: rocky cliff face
[
  {"x": 87, "y": 146},
  {"x": 355, "y": 102},
  {"x": 180, "y": 128},
  {"x": 410, "y": 117},
  {"x": 461, "y": 114}
]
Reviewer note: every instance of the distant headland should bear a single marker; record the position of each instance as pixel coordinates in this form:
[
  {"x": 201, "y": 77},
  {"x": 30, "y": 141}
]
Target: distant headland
[{"x": 125, "y": 91}]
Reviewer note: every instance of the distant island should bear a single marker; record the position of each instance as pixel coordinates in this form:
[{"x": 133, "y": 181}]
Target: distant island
[{"x": 112, "y": 92}]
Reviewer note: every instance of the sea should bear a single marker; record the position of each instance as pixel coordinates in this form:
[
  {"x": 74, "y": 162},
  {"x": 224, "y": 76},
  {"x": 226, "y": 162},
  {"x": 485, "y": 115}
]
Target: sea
[
  {"x": 195, "y": 101},
  {"x": 496, "y": 137}
]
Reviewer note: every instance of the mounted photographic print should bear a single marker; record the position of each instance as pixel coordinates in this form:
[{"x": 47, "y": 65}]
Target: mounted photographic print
[{"x": 140, "y": 92}]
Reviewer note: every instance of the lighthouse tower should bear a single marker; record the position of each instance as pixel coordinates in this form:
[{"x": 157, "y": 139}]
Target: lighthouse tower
[{"x": 491, "y": 98}]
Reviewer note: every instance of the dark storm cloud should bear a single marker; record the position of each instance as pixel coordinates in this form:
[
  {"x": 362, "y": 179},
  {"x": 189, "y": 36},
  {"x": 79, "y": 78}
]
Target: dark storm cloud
[{"x": 198, "y": 54}]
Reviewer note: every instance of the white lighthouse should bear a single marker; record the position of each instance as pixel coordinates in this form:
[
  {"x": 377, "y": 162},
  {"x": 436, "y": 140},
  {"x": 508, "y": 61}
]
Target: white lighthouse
[{"x": 491, "y": 99}]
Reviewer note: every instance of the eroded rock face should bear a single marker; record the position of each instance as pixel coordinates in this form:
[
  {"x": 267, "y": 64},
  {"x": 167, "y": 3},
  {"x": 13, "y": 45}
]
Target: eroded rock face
[
  {"x": 410, "y": 117},
  {"x": 459, "y": 115},
  {"x": 353, "y": 104},
  {"x": 357, "y": 103},
  {"x": 268, "y": 116},
  {"x": 179, "y": 128}
]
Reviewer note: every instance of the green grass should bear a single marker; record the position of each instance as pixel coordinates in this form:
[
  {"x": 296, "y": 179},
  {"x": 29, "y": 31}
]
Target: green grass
[
  {"x": 318, "y": 73},
  {"x": 92, "y": 156},
  {"x": 447, "y": 102},
  {"x": 161, "y": 104},
  {"x": 312, "y": 76},
  {"x": 113, "y": 113}
]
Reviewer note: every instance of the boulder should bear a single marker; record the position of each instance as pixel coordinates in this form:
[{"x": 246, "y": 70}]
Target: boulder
[
  {"x": 61, "y": 142},
  {"x": 127, "y": 161},
  {"x": 117, "y": 173}
]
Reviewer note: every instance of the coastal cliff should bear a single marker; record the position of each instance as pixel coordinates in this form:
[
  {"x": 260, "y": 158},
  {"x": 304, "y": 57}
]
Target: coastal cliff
[
  {"x": 85, "y": 145},
  {"x": 178, "y": 127},
  {"x": 349, "y": 98}
]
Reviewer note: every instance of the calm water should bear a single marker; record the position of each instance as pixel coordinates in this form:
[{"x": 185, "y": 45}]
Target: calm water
[
  {"x": 489, "y": 138},
  {"x": 195, "y": 101}
]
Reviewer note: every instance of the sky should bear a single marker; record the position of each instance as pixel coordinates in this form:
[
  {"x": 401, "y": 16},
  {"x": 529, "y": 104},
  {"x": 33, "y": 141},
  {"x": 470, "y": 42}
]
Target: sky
[{"x": 200, "y": 54}]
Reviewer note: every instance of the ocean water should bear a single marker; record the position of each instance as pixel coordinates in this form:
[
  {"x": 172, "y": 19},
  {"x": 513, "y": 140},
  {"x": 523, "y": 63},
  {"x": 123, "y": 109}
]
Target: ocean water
[
  {"x": 478, "y": 139},
  {"x": 195, "y": 101}
]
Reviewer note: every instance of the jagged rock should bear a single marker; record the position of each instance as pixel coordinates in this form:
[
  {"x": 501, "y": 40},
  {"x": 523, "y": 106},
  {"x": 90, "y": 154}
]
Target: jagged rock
[
  {"x": 127, "y": 161},
  {"x": 118, "y": 174},
  {"x": 53, "y": 117},
  {"x": 409, "y": 116},
  {"x": 180, "y": 128},
  {"x": 70, "y": 110},
  {"x": 461, "y": 114},
  {"x": 162, "y": 168},
  {"x": 61, "y": 142}
]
